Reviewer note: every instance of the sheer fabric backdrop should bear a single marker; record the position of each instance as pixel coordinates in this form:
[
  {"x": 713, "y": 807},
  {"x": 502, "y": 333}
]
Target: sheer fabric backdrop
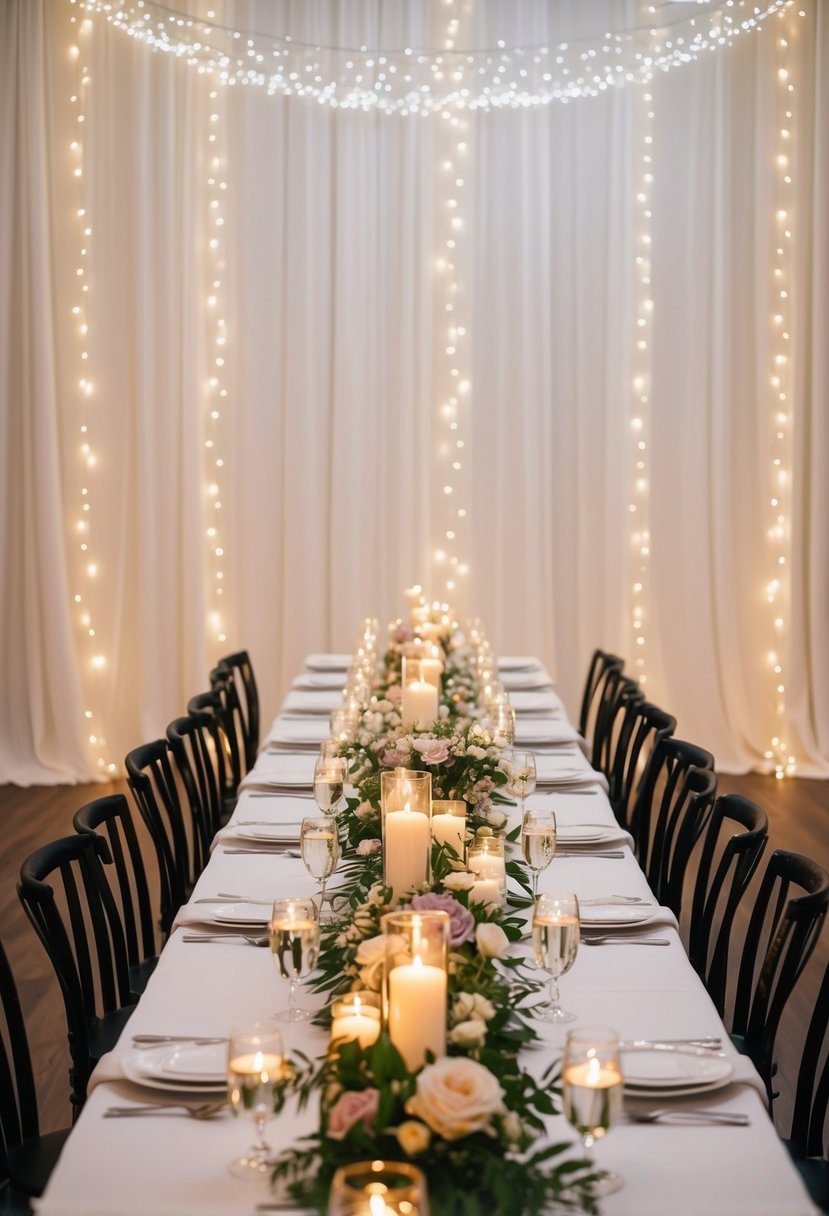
[{"x": 330, "y": 436}]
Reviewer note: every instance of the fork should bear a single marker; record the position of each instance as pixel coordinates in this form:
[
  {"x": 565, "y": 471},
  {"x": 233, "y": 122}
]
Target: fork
[
  {"x": 251, "y": 939},
  {"x": 666, "y": 1115},
  {"x": 609, "y": 940},
  {"x": 203, "y": 1110}
]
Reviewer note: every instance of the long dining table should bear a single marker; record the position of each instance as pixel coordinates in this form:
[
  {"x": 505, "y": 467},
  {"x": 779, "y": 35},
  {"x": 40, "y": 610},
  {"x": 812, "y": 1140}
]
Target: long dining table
[{"x": 166, "y": 1162}]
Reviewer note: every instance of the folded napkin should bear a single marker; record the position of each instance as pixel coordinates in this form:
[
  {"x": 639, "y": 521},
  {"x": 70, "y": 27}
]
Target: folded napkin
[
  {"x": 567, "y": 770},
  {"x": 519, "y": 662},
  {"x": 529, "y": 731},
  {"x": 613, "y": 918},
  {"x": 201, "y": 916},
  {"x": 274, "y": 770},
  {"x": 328, "y": 662},
  {"x": 306, "y": 731},
  {"x": 570, "y": 837},
  {"x": 317, "y": 701},
  {"x": 259, "y": 835},
  {"x": 308, "y": 680},
  {"x": 526, "y": 679},
  {"x": 534, "y": 702}
]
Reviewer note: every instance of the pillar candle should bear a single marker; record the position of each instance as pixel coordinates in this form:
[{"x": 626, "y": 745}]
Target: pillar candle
[
  {"x": 485, "y": 891},
  {"x": 406, "y": 849},
  {"x": 448, "y": 828},
  {"x": 431, "y": 670},
  {"x": 419, "y": 705},
  {"x": 417, "y": 1011}
]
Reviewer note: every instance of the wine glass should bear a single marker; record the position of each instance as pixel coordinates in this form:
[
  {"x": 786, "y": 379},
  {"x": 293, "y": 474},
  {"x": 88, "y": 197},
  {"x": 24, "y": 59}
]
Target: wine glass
[
  {"x": 555, "y": 942},
  {"x": 503, "y": 722},
  {"x": 592, "y": 1086},
  {"x": 294, "y": 932},
  {"x": 538, "y": 842},
  {"x": 319, "y": 844},
  {"x": 521, "y": 775},
  {"x": 255, "y": 1069},
  {"x": 330, "y": 776}
]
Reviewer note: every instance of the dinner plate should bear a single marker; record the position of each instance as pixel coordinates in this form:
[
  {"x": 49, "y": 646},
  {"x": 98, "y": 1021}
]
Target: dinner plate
[
  {"x": 518, "y": 662},
  {"x": 585, "y": 835},
  {"x": 673, "y": 1071},
  {"x": 563, "y": 776},
  {"x": 265, "y": 834},
  {"x": 606, "y": 917},
  {"x": 161, "y": 1068},
  {"x": 240, "y": 914},
  {"x": 328, "y": 662}
]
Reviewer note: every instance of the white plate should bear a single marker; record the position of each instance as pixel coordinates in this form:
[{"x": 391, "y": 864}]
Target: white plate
[
  {"x": 606, "y": 917},
  {"x": 563, "y": 776},
  {"x": 585, "y": 835},
  {"x": 278, "y": 834},
  {"x": 240, "y": 914},
  {"x": 201, "y": 1065},
  {"x": 518, "y": 662},
  {"x": 150, "y": 1068},
  {"x": 328, "y": 662},
  {"x": 655, "y": 1070}
]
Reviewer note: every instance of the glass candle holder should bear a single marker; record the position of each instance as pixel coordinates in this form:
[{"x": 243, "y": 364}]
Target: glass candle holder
[
  {"x": 415, "y": 983},
  {"x": 449, "y": 824},
  {"x": 378, "y": 1188},
  {"x": 487, "y": 861},
  {"x": 356, "y": 1016},
  {"x": 420, "y": 698},
  {"x": 592, "y": 1082},
  {"x": 406, "y": 811},
  {"x": 503, "y": 723}
]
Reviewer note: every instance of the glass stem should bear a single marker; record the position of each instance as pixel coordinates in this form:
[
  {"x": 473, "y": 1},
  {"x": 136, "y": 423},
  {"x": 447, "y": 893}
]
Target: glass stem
[
  {"x": 322, "y": 894},
  {"x": 294, "y": 984},
  {"x": 553, "y": 992},
  {"x": 260, "y": 1148},
  {"x": 535, "y": 885}
]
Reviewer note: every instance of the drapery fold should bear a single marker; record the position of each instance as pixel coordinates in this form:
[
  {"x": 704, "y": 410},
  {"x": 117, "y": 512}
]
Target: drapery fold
[{"x": 327, "y": 449}]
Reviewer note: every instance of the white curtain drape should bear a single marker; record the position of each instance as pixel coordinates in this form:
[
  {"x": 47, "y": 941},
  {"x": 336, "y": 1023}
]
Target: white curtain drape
[{"x": 316, "y": 448}]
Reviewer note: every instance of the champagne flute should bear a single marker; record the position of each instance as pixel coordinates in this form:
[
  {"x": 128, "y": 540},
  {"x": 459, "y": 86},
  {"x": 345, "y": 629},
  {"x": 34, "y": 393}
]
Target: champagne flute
[
  {"x": 592, "y": 1086},
  {"x": 319, "y": 844},
  {"x": 555, "y": 942},
  {"x": 330, "y": 776},
  {"x": 294, "y": 932},
  {"x": 538, "y": 842},
  {"x": 255, "y": 1069},
  {"x": 521, "y": 775}
]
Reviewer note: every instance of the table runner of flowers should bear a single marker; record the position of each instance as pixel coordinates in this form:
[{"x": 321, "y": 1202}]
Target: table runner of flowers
[{"x": 473, "y": 1121}]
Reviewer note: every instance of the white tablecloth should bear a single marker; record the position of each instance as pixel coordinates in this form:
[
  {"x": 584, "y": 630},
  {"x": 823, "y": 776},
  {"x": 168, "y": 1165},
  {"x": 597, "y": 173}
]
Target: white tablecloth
[{"x": 170, "y": 1164}]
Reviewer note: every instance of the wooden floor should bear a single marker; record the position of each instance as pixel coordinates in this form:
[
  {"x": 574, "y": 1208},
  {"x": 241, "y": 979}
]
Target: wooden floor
[{"x": 798, "y": 813}]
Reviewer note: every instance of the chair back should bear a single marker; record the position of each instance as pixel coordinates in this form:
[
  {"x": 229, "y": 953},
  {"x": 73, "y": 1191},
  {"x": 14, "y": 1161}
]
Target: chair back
[
  {"x": 618, "y": 694},
  {"x": 601, "y": 664},
  {"x": 194, "y": 754},
  {"x": 67, "y": 898},
  {"x": 672, "y": 807},
  {"x": 781, "y": 935},
  {"x": 109, "y": 821},
  {"x": 18, "y": 1103},
  {"x": 242, "y": 669},
  {"x": 223, "y": 684},
  {"x": 731, "y": 849},
  {"x": 178, "y": 847},
  {"x": 811, "y": 1103},
  {"x": 643, "y": 725}
]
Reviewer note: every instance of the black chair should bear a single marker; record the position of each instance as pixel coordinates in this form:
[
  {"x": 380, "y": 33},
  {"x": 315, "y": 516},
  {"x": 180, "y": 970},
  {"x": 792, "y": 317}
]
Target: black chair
[
  {"x": 782, "y": 933},
  {"x": 208, "y": 709},
  {"x": 26, "y": 1157},
  {"x": 808, "y": 1144},
  {"x": 619, "y": 692},
  {"x": 672, "y": 807},
  {"x": 194, "y": 753},
  {"x": 178, "y": 837},
  {"x": 643, "y": 726},
  {"x": 67, "y": 898},
  {"x": 240, "y": 666},
  {"x": 731, "y": 849},
  {"x": 109, "y": 821},
  {"x": 232, "y": 727},
  {"x": 601, "y": 664}
]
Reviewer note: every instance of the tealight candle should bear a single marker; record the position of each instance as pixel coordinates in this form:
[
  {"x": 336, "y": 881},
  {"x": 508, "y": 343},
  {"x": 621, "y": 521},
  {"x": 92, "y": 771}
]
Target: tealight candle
[
  {"x": 352, "y": 1019},
  {"x": 485, "y": 891}
]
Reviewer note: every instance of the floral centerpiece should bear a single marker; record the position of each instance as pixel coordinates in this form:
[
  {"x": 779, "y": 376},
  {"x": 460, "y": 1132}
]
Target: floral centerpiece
[{"x": 474, "y": 1120}]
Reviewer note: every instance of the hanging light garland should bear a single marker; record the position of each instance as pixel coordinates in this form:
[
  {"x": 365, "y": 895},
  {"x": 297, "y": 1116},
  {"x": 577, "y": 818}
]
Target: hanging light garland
[
  {"x": 454, "y": 386},
  {"x": 87, "y": 566},
  {"x": 217, "y": 336},
  {"x": 780, "y": 389},
  {"x": 641, "y": 384},
  {"x": 415, "y": 80}
]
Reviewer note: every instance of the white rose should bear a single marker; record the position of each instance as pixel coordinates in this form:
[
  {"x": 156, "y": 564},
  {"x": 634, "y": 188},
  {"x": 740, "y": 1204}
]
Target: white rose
[
  {"x": 478, "y": 752},
  {"x": 461, "y": 881},
  {"x": 413, "y": 1137},
  {"x": 371, "y": 955},
  {"x": 468, "y": 1034},
  {"x": 455, "y": 1097},
  {"x": 471, "y": 1005},
  {"x": 491, "y": 940}
]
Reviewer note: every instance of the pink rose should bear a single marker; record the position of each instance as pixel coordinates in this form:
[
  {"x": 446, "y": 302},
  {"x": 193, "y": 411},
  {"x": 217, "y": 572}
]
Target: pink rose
[
  {"x": 433, "y": 751},
  {"x": 461, "y": 920},
  {"x": 392, "y": 758},
  {"x": 352, "y": 1106},
  {"x": 394, "y": 693}
]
